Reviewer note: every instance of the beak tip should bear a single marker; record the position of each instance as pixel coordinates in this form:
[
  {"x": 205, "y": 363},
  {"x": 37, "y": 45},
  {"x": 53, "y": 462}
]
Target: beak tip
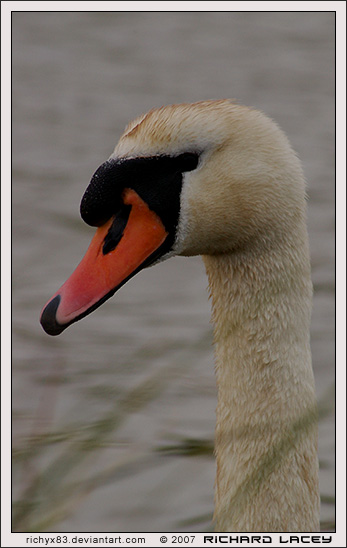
[{"x": 48, "y": 318}]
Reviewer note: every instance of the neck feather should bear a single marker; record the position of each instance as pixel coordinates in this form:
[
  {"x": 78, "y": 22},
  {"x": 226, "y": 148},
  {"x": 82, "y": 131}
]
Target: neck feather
[{"x": 266, "y": 432}]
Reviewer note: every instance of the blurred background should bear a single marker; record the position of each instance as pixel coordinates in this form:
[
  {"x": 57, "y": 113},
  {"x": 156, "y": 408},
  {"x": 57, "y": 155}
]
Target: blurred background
[{"x": 113, "y": 421}]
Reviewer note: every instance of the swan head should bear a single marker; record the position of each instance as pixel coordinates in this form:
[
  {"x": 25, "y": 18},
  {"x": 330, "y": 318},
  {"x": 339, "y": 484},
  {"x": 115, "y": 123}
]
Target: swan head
[{"x": 203, "y": 178}]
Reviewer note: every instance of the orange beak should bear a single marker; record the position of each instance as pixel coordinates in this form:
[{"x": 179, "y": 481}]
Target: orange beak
[{"x": 99, "y": 275}]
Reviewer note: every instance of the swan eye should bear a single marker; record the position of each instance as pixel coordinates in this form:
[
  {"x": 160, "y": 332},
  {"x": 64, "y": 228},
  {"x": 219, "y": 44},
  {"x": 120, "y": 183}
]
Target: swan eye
[{"x": 188, "y": 161}]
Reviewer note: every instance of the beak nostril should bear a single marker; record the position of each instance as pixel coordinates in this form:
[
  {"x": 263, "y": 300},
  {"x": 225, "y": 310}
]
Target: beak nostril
[{"x": 117, "y": 228}]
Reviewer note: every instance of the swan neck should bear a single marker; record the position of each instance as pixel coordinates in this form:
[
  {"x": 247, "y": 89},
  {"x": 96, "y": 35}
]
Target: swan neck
[{"x": 266, "y": 430}]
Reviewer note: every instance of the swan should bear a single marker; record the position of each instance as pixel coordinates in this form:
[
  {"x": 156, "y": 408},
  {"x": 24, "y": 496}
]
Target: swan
[{"x": 218, "y": 179}]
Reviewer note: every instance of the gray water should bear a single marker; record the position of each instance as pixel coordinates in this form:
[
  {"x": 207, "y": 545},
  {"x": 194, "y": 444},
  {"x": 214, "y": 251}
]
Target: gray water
[{"x": 113, "y": 421}]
